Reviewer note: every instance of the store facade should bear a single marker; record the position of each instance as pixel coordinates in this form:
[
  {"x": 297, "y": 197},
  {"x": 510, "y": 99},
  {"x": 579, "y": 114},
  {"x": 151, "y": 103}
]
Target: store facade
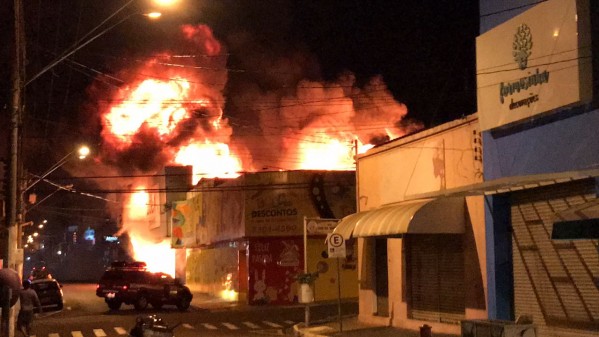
[
  {"x": 421, "y": 260},
  {"x": 538, "y": 110},
  {"x": 244, "y": 237}
]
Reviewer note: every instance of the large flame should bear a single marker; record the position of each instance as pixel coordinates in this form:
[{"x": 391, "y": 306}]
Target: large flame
[
  {"x": 158, "y": 256},
  {"x": 209, "y": 160},
  {"x": 172, "y": 113},
  {"x": 154, "y": 104},
  {"x": 138, "y": 204}
]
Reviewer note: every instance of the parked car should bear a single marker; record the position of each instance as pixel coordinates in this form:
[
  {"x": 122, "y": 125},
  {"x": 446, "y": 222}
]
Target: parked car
[
  {"x": 131, "y": 283},
  {"x": 39, "y": 272},
  {"x": 49, "y": 292}
]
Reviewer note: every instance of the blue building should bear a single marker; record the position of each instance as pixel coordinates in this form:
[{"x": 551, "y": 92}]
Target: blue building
[{"x": 537, "y": 103}]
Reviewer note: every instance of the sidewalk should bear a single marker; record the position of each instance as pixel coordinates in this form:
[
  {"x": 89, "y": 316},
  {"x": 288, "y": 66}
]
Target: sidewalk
[
  {"x": 325, "y": 328},
  {"x": 353, "y": 328},
  {"x": 206, "y": 301}
]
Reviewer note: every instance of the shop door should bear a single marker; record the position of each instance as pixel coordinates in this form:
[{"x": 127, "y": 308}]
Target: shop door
[
  {"x": 435, "y": 273},
  {"x": 382, "y": 278},
  {"x": 558, "y": 277}
]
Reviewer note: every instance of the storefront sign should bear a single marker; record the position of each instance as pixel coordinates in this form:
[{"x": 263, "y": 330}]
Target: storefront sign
[
  {"x": 321, "y": 226},
  {"x": 536, "y": 62}
]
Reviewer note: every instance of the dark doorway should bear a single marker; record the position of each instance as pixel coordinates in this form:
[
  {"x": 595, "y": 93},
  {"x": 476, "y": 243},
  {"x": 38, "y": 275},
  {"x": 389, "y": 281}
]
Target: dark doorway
[{"x": 382, "y": 278}]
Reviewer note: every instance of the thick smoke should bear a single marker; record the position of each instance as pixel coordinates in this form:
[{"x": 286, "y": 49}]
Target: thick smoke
[
  {"x": 272, "y": 111},
  {"x": 268, "y": 111}
]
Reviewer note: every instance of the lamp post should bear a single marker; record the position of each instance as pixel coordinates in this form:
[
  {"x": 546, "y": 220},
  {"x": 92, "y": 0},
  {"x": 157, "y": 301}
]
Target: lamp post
[
  {"x": 89, "y": 38},
  {"x": 19, "y": 82},
  {"x": 82, "y": 153}
]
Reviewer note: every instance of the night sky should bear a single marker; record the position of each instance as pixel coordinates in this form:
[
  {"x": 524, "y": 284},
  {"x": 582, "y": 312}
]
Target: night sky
[{"x": 423, "y": 52}]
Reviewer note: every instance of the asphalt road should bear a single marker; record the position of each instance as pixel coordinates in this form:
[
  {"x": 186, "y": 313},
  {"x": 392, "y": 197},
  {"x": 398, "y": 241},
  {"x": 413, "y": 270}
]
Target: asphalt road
[{"x": 85, "y": 315}]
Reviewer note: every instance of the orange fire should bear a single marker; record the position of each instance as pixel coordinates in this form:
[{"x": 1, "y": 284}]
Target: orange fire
[
  {"x": 209, "y": 160},
  {"x": 148, "y": 247},
  {"x": 158, "y": 256},
  {"x": 172, "y": 114}
]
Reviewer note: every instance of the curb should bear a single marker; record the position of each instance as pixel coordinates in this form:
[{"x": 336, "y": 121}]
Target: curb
[{"x": 320, "y": 328}]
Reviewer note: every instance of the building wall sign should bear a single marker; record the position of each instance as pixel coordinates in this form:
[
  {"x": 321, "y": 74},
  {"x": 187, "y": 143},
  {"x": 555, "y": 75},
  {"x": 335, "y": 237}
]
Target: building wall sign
[
  {"x": 283, "y": 199},
  {"x": 535, "y": 62},
  {"x": 185, "y": 218}
]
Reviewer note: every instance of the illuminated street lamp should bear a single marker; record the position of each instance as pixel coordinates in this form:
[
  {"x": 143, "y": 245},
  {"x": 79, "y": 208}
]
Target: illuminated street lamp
[
  {"x": 82, "y": 153},
  {"x": 19, "y": 82},
  {"x": 153, "y": 15},
  {"x": 89, "y": 37}
]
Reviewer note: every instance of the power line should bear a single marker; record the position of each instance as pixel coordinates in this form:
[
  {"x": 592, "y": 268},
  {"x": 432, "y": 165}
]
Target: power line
[{"x": 511, "y": 9}]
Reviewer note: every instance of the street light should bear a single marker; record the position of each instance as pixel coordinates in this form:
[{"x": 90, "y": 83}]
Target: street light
[
  {"x": 19, "y": 83},
  {"x": 82, "y": 153},
  {"x": 89, "y": 37}
]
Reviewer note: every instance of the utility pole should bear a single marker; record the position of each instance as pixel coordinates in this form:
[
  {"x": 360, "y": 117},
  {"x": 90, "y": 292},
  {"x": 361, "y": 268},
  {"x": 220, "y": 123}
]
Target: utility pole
[
  {"x": 13, "y": 259},
  {"x": 18, "y": 76}
]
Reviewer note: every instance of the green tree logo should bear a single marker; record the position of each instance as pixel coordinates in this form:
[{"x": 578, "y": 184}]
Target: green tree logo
[{"x": 522, "y": 46}]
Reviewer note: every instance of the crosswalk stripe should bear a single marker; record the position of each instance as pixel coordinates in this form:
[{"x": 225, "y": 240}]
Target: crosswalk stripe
[
  {"x": 76, "y": 334},
  {"x": 271, "y": 324},
  {"x": 251, "y": 325},
  {"x": 230, "y": 326},
  {"x": 188, "y": 326},
  {"x": 120, "y": 331},
  {"x": 54, "y": 334},
  {"x": 99, "y": 333},
  {"x": 209, "y": 326},
  {"x": 290, "y": 322}
]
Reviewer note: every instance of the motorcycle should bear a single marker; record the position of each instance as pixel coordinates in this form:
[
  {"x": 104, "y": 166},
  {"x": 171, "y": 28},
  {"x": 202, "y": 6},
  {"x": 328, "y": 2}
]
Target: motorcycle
[{"x": 152, "y": 326}]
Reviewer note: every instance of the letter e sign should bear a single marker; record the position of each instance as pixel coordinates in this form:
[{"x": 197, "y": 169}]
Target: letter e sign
[{"x": 336, "y": 245}]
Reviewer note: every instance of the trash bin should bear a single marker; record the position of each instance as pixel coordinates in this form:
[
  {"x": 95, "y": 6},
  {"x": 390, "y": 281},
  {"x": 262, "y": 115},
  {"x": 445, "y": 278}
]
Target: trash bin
[{"x": 425, "y": 331}]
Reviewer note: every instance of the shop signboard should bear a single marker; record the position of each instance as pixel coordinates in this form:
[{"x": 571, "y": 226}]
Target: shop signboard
[{"x": 534, "y": 63}]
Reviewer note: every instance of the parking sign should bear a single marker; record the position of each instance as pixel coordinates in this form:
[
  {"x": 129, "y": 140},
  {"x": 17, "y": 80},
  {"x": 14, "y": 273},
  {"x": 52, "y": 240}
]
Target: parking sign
[{"x": 336, "y": 245}]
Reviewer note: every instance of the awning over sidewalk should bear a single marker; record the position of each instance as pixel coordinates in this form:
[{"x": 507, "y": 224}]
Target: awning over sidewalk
[
  {"x": 510, "y": 184},
  {"x": 438, "y": 215},
  {"x": 578, "y": 222}
]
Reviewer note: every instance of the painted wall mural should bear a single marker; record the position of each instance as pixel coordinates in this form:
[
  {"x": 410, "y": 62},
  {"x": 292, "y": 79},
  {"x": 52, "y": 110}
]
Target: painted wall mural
[{"x": 273, "y": 265}]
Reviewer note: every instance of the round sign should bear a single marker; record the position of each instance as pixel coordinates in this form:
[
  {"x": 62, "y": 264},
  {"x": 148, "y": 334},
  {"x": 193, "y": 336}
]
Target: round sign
[{"x": 336, "y": 240}]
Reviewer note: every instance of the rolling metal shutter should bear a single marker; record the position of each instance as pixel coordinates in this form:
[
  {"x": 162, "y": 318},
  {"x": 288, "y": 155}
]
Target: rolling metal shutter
[
  {"x": 554, "y": 281},
  {"x": 435, "y": 274}
]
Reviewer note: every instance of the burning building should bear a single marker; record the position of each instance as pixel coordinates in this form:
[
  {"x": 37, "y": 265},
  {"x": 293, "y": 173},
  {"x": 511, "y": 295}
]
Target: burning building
[
  {"x": 244, "y": 236},
  {"x": 245, "y": 214}
]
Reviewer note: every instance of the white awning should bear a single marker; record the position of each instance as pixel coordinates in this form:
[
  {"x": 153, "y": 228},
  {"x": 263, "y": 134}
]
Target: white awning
[
  {"x": 424, "y": 216},
  {"x": 510, "y": 184}
]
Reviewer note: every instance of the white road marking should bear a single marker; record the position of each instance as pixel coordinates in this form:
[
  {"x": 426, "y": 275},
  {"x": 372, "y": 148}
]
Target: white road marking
[
  {"x": 188, "y": 326},
  {"x": 209, "y": 326},
  {"x": 99, "y": 333},
  {"x": 271, "y": 324},
  {"x": 76, "y": 334},
  {"x": 230, "y": 326},
  {"x": 120, "y": 330},
  {"x": 290, "y": 322},
  {"x": 251, "y": 325}
]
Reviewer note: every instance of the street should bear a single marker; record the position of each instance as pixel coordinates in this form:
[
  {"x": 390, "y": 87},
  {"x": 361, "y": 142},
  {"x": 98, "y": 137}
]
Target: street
[{"x": 85, "y": 315}]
